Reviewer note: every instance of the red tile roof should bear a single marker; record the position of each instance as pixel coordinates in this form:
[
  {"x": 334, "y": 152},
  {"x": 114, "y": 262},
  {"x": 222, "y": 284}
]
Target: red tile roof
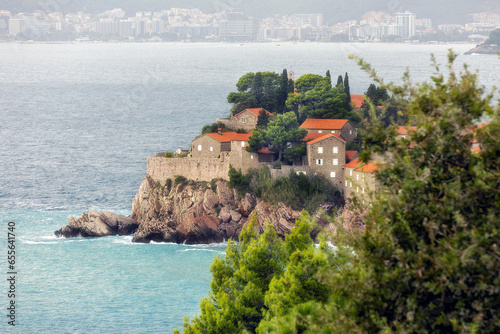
[
  {"x": 229, "y": 136},
  {"x": 403, "y": 130},
  {"x": 354, "y": 164},
  {"x": 350, "y": 154},
  {"x": 312, "y": 135},
  {"x": 256, "y": 111},
  {"x": 324, "y": 124},
  {"x": 370, "y": 167},
  {"x": 265, "y": 150},
  {"x": 357, "y": 100},
  {"x": 325, "y": 136}
]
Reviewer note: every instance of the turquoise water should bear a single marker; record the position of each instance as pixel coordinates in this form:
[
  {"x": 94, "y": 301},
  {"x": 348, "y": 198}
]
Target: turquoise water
[
  {"x": 77, "y": 123},
  {"x": 101, "y": 285}
]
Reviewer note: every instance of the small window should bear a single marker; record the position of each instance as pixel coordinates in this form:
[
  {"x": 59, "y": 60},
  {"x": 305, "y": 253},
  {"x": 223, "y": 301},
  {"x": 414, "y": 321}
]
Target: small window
[
  {"x": 357, "y": 177},
  {"x": 350, "y": 132},
  {"x": 350, "y": 184},
  {"x": 332, "y": 174},
  {"x": 320, "y": 150},
  {"x": 346, "y": 183},
  {"x": 199, "y": 147},
  {"x": 363, "y": 190},
  {"x": 211, "y": 149},
  {"x": 335, "y": 162},
  {"x": 251, "y": 157},
  {"x": 320, "y": 131},
  {"x": 335, "y": 149},
  {"x": 319, "y": 161},
  {"x": 242, "y": 144},
  {"x": 357, "y": 189},
  {"x": 333, "y": 131},
  {"x": 243, "y": 120}
]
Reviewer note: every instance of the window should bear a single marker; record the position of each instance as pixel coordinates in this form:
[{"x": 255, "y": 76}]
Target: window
[
  {"x": 363, "y": 190},
  {"x": 333, "y": 131},
  {"x": 351, "y": 184},
  {"x": 320, "y": 131},
  {"x": 357, "y": 177},
  {"x": 199, "y": 147},
  {"x": 298, "y": 173},
  {"x": 350, "y": 172},
  {"x": 319, "y": 161},
  {"x": 346, "y": 183},
  {"x": 211, "y": 149},
  {"x": 335, "y": 149},
  {"x": 242, "y": 144},
  {"x": 335, "y": 162},
  {"x": 357, "y": 189},
  {"x": 332, "y": 174},
  {"x": 251, "y": 157},
  {"x": 350, "y": 132},
  {"x": 320, "y": 150},
  {"x": 243, "y": 120}
]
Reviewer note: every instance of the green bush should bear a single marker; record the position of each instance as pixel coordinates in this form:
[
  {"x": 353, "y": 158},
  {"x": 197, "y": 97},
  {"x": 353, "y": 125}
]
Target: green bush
[
  {"x": 169, "y": 154},
  {"x": 179, "y": 179},
  {"x": 168, "y": 184},
  {"x": 211, "y": 128}
]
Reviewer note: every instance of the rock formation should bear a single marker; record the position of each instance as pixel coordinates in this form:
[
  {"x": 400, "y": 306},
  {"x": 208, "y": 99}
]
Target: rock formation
[
  {"x": 201, "y": 212},
  {"x": 97, "y": 224},
  {"x": 484, "y": 49}
]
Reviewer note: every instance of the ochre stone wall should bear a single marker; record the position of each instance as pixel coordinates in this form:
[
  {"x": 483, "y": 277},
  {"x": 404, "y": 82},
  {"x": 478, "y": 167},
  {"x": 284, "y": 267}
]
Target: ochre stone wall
[{"x": 199, "y": 169}]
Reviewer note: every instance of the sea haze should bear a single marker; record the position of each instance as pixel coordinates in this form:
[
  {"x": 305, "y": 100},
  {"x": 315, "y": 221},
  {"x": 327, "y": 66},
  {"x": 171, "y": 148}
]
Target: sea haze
[{"x": 79, "y": 121}]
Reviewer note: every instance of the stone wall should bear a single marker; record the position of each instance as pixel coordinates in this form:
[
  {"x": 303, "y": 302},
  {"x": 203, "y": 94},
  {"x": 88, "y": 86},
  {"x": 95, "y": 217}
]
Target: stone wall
[
  {"x": 199, "y": 169},
  {"x": 285, "y": 170}
]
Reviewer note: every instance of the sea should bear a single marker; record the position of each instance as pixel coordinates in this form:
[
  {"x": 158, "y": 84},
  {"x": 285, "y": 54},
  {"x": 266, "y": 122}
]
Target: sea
[{"x": 77, "y": 124}]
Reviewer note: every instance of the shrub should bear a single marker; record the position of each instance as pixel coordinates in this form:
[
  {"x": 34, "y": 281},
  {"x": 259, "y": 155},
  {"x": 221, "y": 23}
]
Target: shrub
[
  {"x": 179, "y": 179},
  {"x": 169, "y": 154}
]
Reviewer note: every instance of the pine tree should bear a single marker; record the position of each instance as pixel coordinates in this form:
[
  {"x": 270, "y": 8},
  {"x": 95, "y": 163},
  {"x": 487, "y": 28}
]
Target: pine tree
[{"x": 329, "y": 77}]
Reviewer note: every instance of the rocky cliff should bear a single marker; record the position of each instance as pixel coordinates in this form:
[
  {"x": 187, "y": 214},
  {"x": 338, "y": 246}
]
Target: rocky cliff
[{"x": 201, "y": 212}]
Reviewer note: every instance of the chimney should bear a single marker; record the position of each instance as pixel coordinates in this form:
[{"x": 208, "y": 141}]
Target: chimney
[{"x": 219, "y": 131}]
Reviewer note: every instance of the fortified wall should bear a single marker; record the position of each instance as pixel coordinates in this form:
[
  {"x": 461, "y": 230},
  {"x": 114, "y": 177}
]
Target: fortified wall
[{"x": 198, "y": 169}]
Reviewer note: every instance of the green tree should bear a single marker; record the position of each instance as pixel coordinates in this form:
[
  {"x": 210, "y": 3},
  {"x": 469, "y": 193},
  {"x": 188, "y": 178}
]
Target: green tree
[
  {"x": 494, "y": 37},
  {"x": 328, "y": 77},
  {"x": 429, "y": 261},
  {"x": 280, "y": 133},
  {"x": 340, "y": 81},
  {"x": 266, "y": 90},
  {"x": 347, "y": 90}
]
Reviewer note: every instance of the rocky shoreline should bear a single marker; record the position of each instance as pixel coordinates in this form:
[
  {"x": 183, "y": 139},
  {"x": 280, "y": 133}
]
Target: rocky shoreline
[
  {"x": 188, "y": 212},
  {"x": 484, "y": 49}
]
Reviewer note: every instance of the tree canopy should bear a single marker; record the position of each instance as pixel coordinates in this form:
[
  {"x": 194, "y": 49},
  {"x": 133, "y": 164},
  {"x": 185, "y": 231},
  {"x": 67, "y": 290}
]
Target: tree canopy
[
  {"x": 316, "y": 98},
  {"x": 268, "y": 90},
  {"x": 280, "y": 134}
]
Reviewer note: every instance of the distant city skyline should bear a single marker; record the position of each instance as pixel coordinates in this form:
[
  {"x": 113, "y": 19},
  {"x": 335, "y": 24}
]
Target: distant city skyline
[{"x": 195, "y": 25}]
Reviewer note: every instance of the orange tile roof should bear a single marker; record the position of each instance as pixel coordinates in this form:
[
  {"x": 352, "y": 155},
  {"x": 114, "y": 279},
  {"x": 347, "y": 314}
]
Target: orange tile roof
[
  {"x": 350, "y": 154},
  {"x": 357, "y": 100},
  {"x": 265, "y": 150},
  {"x": 403, "y": 130},
  {"x": 353, "y": 164},
  {"x": 312, "y": 135},
  {"x": 256, "y": 111},
  {"x": 324, "y": 124},
  {"x": 229, "y": 136},
  {"x": 370, "y": 167},
  {"x": 325, "y": 136}
]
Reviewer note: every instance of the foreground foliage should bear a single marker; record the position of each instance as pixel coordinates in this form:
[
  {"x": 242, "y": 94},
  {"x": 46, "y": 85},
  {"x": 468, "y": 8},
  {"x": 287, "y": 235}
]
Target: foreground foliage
[{"x": 262, "y": 277}]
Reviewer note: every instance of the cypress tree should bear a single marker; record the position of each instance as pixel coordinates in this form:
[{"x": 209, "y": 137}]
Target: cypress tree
[
  {"x": 258, "y": 88},
  {"x": 329, "y": 77},
  {"x": 340, "y": 81},
  {"x": 347, "y": 89}
]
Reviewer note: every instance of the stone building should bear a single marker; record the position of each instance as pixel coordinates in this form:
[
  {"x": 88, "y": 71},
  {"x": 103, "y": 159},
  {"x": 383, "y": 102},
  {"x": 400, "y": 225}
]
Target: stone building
[
  {"x": 212, "y": 145},
  {"x": 359, "y": 178},
  {"x": 340, "y": 126},
  {"x": 326, "y": 156},
  {"x": 246, "y": 119}
]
